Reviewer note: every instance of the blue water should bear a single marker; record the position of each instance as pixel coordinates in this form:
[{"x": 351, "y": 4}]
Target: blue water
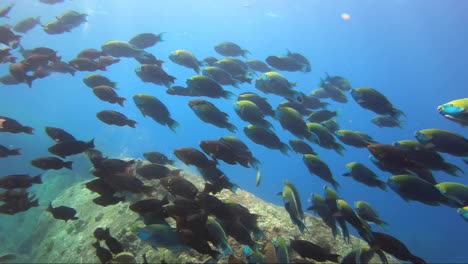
[{"x": 414, "y": 52}]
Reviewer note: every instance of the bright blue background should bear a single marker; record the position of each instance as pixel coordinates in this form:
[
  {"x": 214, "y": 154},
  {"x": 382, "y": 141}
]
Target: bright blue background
[{"x": 415, "y": 52}]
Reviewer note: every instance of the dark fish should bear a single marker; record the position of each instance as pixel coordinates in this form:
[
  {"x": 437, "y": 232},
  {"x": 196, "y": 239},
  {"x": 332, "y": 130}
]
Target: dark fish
[
  {"x": 392, "y": 157},
  {"x": 91, "y": 54},
  {"x": 220, "y": 76},
  {"x": 4, "y": 11},
  {"x": 293, "y": 205},
  {"x": 292, "y": 121},
  {"x": 149, "y": 206},
  {"x": 320, "y": 168},
  {"x": 117, "y": 48},
  {"x": 206, "y": 86},
  {"x": 19, "y": 72},
  {"x": 108, "y": 200},
  {"x": 158, "y": 157},
  {"x": 286, "y": 63},
  {"x": 301, "y": 147},
  {"x": 209, "y": 113},
  {"x": 11, "y": 125},
  {"x": 62, "y": 212},
  {"x": 112, "y": 244},
  {"x": 321, "y": 116},
  {"x": 230, "y": 49},
  {"x": 301, "y": 108},
  {"x": 100, "y": 186},
  {"x": 71, "y": 19},
  {"x": 259, "y": 101},
  {"x": 149, "y": 58},
  {"x": 103, "y": 254},
  {"x": 146, "y": 40},
  {"x": 85, "y": 64},
  {"x": 26, "y": 24},
  {"x": 427, "y": 157},
  {"x": 107, "y": 61},
  {"x": 362, "y": 174},
  {"x": 51, "y": 2},
  {"x": 55, "y": 27},
  {"x": 311, "y": 102},
  {"x": 373, "y": 100},
  {"x": 177, "y": 185},
  {"x": 111, "y": 117},
  {"x": 210, "y": 61},
  {"x": 94, "y": 80},
  {"x": 111, "y": 166},
  {"x": 337, "y": 81},
  {"x": 443, "y": 141},
  {"x": 336, "y": 94},
  {"x": 124, "y": 182},
  {"x": 307, "y": 249},
  {"x": 331, "y": 125},
  {"x": 410, "y": 187},
  {"x": 386, "y": 121},
  {"x": 219, "y": 150},
  {"x": 8, "y": 79},
  {"x": 5, "y": 152},
  {"x": 191, "y": 156},
  {"x": 244, "y": 155},
  {"x": 320, "y": 207},
  {"x": 17, "y": 202},
  {"x": 154, "y": 108},
  {"x": 154, "y": 74},
  {"x": 355, "y": 138},
  {"x": 351, "y": 217},
  {"x": 108, "y": 94},
  {"x": 258, "y": 65},
  {"x": 62, "y": 67},
  {"x": 325, "y": 138},
  {"x": 394, "y": 247},
  {"x": 19, "y": 181},
  {"x": 9, "y": 38},
  {"x": 368, "y": 213},
  {"x": 58, "y": 134},
  {"x": 250, "y": 112},
  {"x": 185, "y": 58},
  {"x": 70, "y": 147},
  {"x": 273, "y": 82},
  {"x": 266, "y": 137},
  {"x": 216, "y": 180},
  {"x": 51, "y": 163},
  {"x": 156, "y": 171}
]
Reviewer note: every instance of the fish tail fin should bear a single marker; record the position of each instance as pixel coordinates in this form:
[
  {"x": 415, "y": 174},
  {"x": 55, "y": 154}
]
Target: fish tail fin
[
  {"x": 229, "y": 95},
  {"x": 232, "y": 128},
  {"x": 50, "y": 207},
  {"x": 102, "y": 67},
  {"x": 451, "y": 169},
  {"x": 285, "y": 149},
  {"x": 120, "y": 101},
  {"x": 29, "y": 80},
  {"x": 68, "y": 165},
  {"x": 245, "y": 53},
  {"x": 312, "y": 137},
  {"x": 255, "y": 163},
  {"x": 258, "y": 178},
  {"x": 383, "y": 185},
  {"x": 173, "y": 125},
  {"x": 162, "y": 36},
  {"x": 90, "y": 144},
  {"x": 339, "y": 149},
  {"x": 324, "y": 105},
  {"x": 397, "y": 113},
  {"x": 382, "y": 224},
  {"x": 37, "y": 179},
  {"x": 131, "y": 123},
  {"x": 16, "y": 151},
  {"x": 336, "y": 185},
  {"x": 113, "y": 85},
  {"x": 225, "y": 248}
]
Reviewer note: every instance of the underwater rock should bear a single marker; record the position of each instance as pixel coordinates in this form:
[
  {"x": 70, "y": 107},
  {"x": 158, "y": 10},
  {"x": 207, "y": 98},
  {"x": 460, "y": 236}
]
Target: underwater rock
[{"x": 70, "y": 242}]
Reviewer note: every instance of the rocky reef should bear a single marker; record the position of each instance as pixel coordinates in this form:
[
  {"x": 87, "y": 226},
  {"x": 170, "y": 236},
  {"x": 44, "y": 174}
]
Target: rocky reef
[{"x": 58, "y": 241}]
